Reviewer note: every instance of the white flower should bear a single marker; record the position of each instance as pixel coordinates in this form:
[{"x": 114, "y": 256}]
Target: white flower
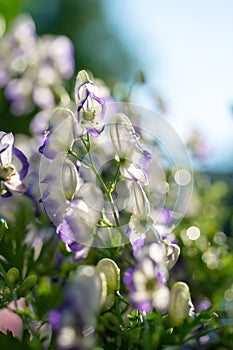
[
  {"x": 59, "y": 137},
  {"x": 140, "y": 221},
  {"x": 134, "y": 160},
  {"x": 11, "y": 178}
]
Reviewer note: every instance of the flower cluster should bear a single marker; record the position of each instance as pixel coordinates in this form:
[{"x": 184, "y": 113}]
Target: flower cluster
[
  {"x": 73, "y": 206},
  {"x": 80, "y": 201},
  {"x": 32, "y": 68}
]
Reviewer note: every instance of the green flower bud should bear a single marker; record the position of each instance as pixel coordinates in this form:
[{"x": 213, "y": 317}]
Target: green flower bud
[
  {"x": 181, "y": 305},
  {"x": 12, "y": 277},
  {"x": 112, "y": 274},
  {"x": 26, "y": 285}
]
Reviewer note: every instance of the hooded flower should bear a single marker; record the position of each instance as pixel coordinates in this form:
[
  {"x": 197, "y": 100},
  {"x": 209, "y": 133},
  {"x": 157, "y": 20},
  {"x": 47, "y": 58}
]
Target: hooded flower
[
  {"x": 9, "y": 175},
  {"x": 140, "y": 221},
  {"x": 59, "y": 138},
  {"x": 134, "y": 160},
  {"x": 78, "y": 224},
  {"x": 90, "y": 107},
  {"x": 58, "y": 185}
]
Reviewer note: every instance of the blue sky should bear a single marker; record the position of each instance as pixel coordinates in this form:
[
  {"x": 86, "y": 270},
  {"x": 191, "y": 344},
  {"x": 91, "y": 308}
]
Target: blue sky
[{"x": 186, "y": 50}]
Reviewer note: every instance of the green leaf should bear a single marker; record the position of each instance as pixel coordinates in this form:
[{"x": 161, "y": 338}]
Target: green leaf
[{"x": 3, "y": 227}]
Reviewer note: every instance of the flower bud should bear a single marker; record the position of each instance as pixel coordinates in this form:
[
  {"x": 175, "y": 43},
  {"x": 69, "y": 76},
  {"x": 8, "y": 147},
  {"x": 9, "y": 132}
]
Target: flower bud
[
  {"x": 112, "y": 274},
  {"x": 172, "y": 253},
  {"x": 123, "y": 135},
  {"x": 26, "y": 285},
  {"x": 12, "y": 277},
  {"x": 181, "y": 305}
]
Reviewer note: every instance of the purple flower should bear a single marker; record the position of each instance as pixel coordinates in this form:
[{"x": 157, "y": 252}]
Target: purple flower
[
  {"x": 58, "y": 185},
  {"x": 54, "y": 318},
  {"x": 146, "y": 281},
  {"x": 90, "y": 107},
  {"x": 32, "y": 68},
  {"x": 74, "y": 321},
  {"x": 9, "y": 175},
  {"x": 56, "y": 141},
  {"x": 204, "y": 305},
  {"x": 78, "y": 223}
]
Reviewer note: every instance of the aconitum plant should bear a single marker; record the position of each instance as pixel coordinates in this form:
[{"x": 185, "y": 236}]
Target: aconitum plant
[
  {"x": 89, "y": 254},
  {"x": 95, "y": 188}
]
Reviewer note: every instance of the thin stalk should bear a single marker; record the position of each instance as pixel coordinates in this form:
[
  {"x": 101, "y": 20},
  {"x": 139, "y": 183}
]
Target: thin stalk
[{"x": 105, "y": 188}]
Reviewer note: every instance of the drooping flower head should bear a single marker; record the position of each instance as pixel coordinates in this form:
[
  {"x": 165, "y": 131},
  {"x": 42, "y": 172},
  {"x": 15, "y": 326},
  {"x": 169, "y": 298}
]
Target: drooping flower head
[
  {"x": 133, "y": 158},
  {"x": 78, "y": 223},
  {"x": 181, "y": 305},
  {"x": 90, "y": 107},
  {"x": 9, "y": 175},
  {"x": 140, "y": 221},
  {"x": 59, "y": 138}
]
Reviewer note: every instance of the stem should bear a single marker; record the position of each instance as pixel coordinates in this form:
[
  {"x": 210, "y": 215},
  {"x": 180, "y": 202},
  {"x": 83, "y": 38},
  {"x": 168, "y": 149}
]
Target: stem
[
  {"x": 92, "y": 166},
  {"x": 70, "y": 151},
  {"x": 105, "y": 188},
  {"x": 113, "y": 185},
  {"x": 118, "y": 294}
]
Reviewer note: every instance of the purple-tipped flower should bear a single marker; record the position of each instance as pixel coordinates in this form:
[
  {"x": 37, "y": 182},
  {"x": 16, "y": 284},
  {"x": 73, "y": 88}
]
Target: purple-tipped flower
[
  {"x": 58, "y": 185},
  {"x": 9, "y": 175},
  {"x": 59, "y": 138},
  {"x": 78, "y": 224},
  {"x": 90, "y": 107},
  {"x": 146, "y": 281},
  {"x": 133, "y": 158}
]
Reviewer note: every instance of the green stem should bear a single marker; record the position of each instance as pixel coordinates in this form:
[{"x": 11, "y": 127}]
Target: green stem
[
  {"x": 113, "y": 185},
  {"x": 105, "y": 188},
  {"x": 75, "y": 155},
  {"x": 92, "y": 166}
]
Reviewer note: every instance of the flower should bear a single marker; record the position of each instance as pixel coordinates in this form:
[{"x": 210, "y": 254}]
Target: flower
[
  {"x": 90, "y": 107},
  {"x": 78, "y": 223},
  {"x": 75, "y": 321},
  {"x": 56, "y": 141},
  {"x": 58, "y": 185},
  {"x": 134, "y": 160},
  {"x": 140, "y": 220},
  {"x": 146, "y": 281},
  {"x": 112, "y": 274},
  {"x": 181, "y": 305},
  {"x": 11, "y": 178},
  {"x": 32, "y": 68}
]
